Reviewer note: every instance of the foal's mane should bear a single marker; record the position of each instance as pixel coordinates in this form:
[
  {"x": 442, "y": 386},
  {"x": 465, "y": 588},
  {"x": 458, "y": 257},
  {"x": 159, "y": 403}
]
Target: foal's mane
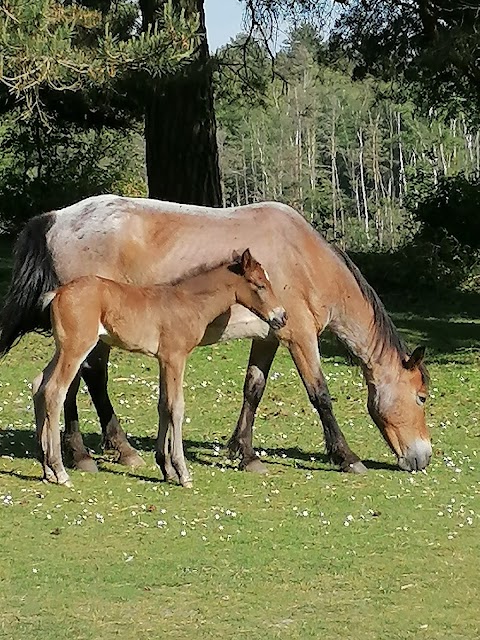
[
  {"x": 201, "y": 269},
  {"x": 385, "y": 330}
]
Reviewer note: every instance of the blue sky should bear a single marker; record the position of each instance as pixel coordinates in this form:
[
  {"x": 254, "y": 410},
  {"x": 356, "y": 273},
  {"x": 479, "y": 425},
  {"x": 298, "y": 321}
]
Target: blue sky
[{"x": 224, "y": 21}]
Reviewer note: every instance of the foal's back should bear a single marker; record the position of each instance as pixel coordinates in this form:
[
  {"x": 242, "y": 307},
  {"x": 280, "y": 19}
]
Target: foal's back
[{"x": 120, "y": 314}]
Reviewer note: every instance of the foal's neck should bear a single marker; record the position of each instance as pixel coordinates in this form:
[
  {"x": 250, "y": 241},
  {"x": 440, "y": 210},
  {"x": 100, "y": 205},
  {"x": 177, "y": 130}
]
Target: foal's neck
[{"x": 211, "y": 292}]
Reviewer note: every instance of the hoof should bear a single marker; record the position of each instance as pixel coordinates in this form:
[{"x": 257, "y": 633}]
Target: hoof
[
  {"x": 68, "y": 483},
  {"x": 254, "y": 466},
  {"x": 356, "y": 467},
  {"x": 87, "y": 464},
  {"x": 187, "y": 484},
  {"x": 131, "y": 459}
]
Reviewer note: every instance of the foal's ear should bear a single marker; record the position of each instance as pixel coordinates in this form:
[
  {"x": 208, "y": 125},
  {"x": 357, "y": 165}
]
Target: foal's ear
[
  {"x": 415, "y": 359},
  {"x": 237, "y": 265},
  {"x": 247, "y": 260}
]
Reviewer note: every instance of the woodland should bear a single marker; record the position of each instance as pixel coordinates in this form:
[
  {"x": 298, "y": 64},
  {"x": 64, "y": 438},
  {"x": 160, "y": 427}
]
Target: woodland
[{"x": 365, "y": 120}]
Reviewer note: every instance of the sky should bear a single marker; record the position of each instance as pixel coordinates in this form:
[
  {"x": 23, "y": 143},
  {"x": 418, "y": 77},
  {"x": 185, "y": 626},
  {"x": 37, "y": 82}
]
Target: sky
[{"x": 224, "y": 21}]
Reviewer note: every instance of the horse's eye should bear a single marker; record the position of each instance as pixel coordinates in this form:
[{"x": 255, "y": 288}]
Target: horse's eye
[{"x": 421, "y": 399}]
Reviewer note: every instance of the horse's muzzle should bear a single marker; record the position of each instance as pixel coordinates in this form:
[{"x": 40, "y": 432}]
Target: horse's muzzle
[
  {"x": 417, "y": 456},
  {"x": 277, "y": 318}
]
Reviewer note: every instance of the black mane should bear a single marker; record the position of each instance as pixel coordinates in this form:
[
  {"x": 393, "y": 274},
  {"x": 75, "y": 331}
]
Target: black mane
[{"x": 385, "y": 330}]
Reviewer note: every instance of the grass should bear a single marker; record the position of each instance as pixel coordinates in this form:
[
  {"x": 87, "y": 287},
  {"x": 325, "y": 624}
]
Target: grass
[{"x": 304, "y": 552}]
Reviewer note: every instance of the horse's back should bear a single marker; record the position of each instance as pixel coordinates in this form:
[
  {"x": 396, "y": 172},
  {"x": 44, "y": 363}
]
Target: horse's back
[{"x": 146, "y": 241}]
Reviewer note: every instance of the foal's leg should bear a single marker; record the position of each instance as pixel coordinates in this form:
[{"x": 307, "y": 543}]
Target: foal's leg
[
  {"x": 171, "y": 409},
  {"x": 41, "y": 414},
  {"x": 306, "y": 356},
  {"x": 262, "y": 354},
  {"x": 49, "y": 395},
  {"x": 95, "y": 374}
]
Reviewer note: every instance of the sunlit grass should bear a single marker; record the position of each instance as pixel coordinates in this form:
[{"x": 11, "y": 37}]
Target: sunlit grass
[{"x": 304, "y": 552}]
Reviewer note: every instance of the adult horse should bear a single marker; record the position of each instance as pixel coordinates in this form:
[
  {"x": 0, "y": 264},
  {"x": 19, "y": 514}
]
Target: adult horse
[{"x": 146, "y": 241}]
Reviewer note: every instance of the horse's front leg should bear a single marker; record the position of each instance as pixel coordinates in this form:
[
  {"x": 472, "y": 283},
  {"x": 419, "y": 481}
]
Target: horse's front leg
[
  {"x": 170, "y": 456},
  {"x": 95, "y": 374},
  {"x": 262, "y": 354},
  {"x": 305, "y": 353}
]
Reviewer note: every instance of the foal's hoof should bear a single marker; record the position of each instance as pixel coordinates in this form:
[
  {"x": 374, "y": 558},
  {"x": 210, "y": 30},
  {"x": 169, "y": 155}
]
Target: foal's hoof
[
  {"x": 68, "y": 483},
  {"x": 86, "y": 464},
  {"x": 254, "y": 466},
  {"x": 355, "y": 467},
  {"x": 187, "y": 484},
  {"x": 131, "y": 459}
]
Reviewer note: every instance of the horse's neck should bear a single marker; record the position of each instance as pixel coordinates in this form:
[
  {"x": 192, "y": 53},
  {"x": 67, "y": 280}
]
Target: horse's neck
[
  {"x": 209, "y": 294},
  {"x": 355, "y": 324}
]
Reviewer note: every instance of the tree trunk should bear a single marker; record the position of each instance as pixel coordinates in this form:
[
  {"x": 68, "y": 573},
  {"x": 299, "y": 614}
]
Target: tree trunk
[{"x": 180, "y": 128}]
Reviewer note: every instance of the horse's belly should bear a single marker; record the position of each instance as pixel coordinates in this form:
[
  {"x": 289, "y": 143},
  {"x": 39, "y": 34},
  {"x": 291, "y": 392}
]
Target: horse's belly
[{"x": 235, "y": 324}]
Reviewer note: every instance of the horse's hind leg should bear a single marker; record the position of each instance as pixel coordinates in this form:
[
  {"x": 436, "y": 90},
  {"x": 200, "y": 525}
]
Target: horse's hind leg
[
  {"x": 95, "y": 374},
  {"x": 305, "y": 353},
  {"x": 74, "y": 448},
  {"x": 262, "y": 354}
]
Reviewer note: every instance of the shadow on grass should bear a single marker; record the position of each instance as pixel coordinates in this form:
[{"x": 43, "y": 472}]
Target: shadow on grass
[
  {"x": 21, "y": 476},
  {"x": 22, "y": 444}
]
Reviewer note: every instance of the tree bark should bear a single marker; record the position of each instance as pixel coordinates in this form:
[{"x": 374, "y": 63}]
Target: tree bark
[{"x": 180, "y": 128}]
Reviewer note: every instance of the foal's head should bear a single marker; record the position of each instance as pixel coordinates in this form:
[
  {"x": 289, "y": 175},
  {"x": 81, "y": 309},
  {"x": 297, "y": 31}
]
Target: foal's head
[
  {"x": 397, "y": 406},
  {"x": 255, "y": 292}
]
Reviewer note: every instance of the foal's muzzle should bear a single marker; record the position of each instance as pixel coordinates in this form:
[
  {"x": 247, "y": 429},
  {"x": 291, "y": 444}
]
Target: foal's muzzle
[{"x": 277, "y": 318}]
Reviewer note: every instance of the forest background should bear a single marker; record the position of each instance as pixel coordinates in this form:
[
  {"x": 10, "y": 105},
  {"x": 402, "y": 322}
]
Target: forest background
[{"x": 380, "y": 155}]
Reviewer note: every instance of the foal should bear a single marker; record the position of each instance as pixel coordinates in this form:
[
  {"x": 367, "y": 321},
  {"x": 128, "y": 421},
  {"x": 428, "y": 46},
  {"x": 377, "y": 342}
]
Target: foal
[{"x": 165, "y": 321}]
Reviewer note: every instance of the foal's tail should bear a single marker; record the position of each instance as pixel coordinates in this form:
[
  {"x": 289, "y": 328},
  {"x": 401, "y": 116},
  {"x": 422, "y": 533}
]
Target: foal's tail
[
  {"x": 47, "y": 299},
  {"x": 33, "y": 275}
]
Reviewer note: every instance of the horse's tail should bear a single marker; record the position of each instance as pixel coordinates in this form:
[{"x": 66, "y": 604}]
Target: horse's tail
[{"x": 33, "y": 276}]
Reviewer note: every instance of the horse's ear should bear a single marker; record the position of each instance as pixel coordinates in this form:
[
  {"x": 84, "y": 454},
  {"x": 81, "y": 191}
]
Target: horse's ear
[
  {"x": 415, "y": 359},
  {"x": 236, "y": 257}
]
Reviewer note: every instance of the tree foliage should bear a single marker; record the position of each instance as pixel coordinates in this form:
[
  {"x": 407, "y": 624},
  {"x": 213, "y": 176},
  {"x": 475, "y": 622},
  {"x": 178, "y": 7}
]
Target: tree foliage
[
  {"x": 346, "y": 153},
  {"x": 68, "y": 48},
  {"x": 431, "y": 45}
]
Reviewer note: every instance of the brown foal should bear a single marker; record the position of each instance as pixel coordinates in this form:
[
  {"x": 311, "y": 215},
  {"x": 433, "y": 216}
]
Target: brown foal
[{"x": 165, "y": 321}]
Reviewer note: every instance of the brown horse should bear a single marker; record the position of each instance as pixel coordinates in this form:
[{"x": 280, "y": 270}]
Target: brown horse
[
  {"x": 166, "y": 321},
  {"x": 147, "y": 241}
]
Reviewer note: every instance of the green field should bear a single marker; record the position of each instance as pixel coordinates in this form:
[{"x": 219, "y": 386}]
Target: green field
[{"x": 305, "y": 552}]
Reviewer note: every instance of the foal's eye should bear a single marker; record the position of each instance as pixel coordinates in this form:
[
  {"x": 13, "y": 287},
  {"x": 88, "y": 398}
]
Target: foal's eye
[{"x": 421, "y": 399}]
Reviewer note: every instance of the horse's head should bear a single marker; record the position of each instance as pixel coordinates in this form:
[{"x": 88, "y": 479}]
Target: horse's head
[
  {"x": 397, "y": 406},
  {"x": 258, "y": 295}
]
